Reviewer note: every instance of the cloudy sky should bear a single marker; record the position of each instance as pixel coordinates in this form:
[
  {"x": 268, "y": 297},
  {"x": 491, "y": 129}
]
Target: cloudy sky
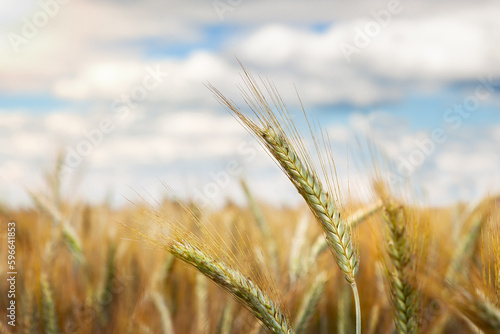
[{"x": 119, "y": 85}]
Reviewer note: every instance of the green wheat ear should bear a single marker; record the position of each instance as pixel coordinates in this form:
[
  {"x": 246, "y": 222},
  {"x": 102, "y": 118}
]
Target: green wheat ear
[
  {"x": 273, "y": 127},
  {"x": 234, "y": 282},
  {"x": 297, "y": 166},
  {"x": 49, "y": 313}
]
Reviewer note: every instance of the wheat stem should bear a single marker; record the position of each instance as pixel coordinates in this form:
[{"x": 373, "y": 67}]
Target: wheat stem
[
  {"x": 202, "y": 303},
  {"x": 49, "y": 313},
  {"x": 163, "y": 310},
  {"x": 263, "y": 225},
  {"x": 357, "y": 304},
  {"x": 296, "y": 265},
  {"x": 309, "y": 304},
  {"x": 482, "y": 313},
  {"x": 225, "y": 323},
  {"x": 344, "y": 306}
]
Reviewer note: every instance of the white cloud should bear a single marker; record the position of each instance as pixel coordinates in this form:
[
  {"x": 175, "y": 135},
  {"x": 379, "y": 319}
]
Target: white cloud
[
  {"x": 202, "y": 122},
  {"x": 103, "y": 57},
  {"x": 14, "y": 170},
  {"x": 458, "y": 45},
  {"x": 64, "y": 123},
  {"x": 275, "y": 45},
  {"x": 95, "y": 52},
  {"x": 495, "y": 133},
  {"x": 101, "y": 80},
  {"x": 464, "y": 166},
  {"x": 11, "y": 120},
  {"x": 467, "y": 162}
]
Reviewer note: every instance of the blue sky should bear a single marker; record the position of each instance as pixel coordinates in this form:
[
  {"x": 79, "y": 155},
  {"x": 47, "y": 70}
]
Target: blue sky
[{"x": 68, "y": 70}]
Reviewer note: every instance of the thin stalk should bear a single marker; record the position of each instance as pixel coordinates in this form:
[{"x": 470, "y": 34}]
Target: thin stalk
[
  {"x": 358, "y": 307},
  {"x": 309, "y": 304}
]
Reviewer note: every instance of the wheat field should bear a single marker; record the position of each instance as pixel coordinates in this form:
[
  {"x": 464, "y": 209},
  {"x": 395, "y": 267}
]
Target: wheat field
[{"x": 329, "y": 265}]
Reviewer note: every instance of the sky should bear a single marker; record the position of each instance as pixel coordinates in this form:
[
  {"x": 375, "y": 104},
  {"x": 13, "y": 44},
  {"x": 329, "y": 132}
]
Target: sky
[{"x": 120, "y": 86}]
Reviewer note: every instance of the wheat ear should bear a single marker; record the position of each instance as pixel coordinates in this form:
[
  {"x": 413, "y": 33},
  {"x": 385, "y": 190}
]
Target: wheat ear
[
  {"x": 403, "y": 294},
  {"x": 319, "y": 201},
  {"x": 272, "y": 136},
  {"x": 235, "y": 283},
  {"x": 320, "y": 245},
  {"x": 307, "y": 184},
  {"x": 482, "y": 313},
  {"x": 337, "y": 233}
]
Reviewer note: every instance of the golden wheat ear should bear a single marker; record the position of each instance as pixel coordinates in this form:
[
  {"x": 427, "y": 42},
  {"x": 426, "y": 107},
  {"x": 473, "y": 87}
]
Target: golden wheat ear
[
  {"x": 271, "y": 124},
  {"x": 211, "y": 257},
  {"x": 234, "y": 282},
  {"x": 399, "y": 260}
]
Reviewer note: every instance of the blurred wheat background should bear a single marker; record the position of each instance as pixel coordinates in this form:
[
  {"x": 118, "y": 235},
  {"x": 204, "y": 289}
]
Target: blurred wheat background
[{"x": 82, "y": 270}]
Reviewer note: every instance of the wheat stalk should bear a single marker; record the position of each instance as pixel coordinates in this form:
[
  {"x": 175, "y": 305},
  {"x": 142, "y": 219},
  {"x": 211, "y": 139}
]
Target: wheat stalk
[
  {"x": 263, "y": 225},
  {"x": 344, "y": 306},
  {"x": 225, "y": 323},
  {"x": 107, "y": 286},
  {"x": 163, "y": 310},
  {"x": 269, "y": 131},
  {"x": 49, "y": 313},
  {"x": 296, "y": 250},
  {"x": 464, "y": 252},
  {"x": 403, "y": 294},
  {"x": 466, "y": 246},
  {"x": 482, "y": 313},
  {"x": 374, "y": 318},
  {"x": 52, "y": 207},
  {"x": 309, "y": 303},
  {"x": 300, "y": 172},
  {"x": 202, "y": 303}
]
